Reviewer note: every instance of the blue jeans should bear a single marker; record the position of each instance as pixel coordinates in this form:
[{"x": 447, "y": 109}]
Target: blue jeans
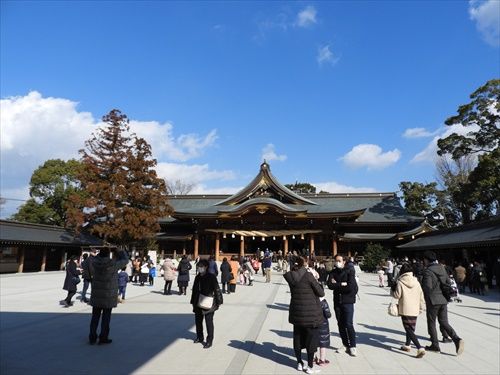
[
  {"x": 86, "y": 284},
  {"x": 345, "y": 314},
  {"x": 121, "y": 291}
]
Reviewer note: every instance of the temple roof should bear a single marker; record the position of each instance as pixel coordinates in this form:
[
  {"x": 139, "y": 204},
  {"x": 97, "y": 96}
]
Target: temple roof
[
  {"x": 265, "y": 193},
  {"x": 13, "y": 232}
]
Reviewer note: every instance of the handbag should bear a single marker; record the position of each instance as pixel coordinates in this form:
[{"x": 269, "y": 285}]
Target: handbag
[
  {"x": 76, "y": 280},
  {"x": 392, "y": 309},
  {"x": 204, "y": 302}
]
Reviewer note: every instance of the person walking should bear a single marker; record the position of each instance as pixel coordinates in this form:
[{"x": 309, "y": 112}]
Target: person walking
[
  {"x": 434, "y": 281},
  {"x": 152, "y": 275},
  {"x": 212, "y": 266},
  {"x": 103, "y": 297},
  {"x": 324, "y": 334},
  {"x": 305, "y": 313},
  {"x": 183, "y": 277},
  {"x": 168, "y": 275},
  {"x": 390, "y": 271},
  {"x": 460, "y": 277},
  {"x": 71, "y": 280},
  {"x": 411, "y": 303},
  {"x": 343, "y": 282},
  {"x": 123, "y": 279},
  {"x": 226, "y": 275},
  {"x": 143, "y": 276},
  {"x": 86, "y": 275},
  {"x": 205, "y": 285}
]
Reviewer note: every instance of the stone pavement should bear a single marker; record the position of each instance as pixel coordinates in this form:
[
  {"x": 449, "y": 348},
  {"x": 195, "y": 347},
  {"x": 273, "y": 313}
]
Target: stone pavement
[{"x": 153, "y": 333}]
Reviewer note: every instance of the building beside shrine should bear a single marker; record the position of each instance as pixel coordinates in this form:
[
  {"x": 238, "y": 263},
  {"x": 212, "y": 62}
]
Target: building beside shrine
[{"x": 267, "y": 215}]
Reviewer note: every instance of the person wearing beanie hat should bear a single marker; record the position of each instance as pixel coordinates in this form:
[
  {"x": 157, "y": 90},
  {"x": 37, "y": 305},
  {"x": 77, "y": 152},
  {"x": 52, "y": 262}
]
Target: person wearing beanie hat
[{"x": 434, "y": 276}]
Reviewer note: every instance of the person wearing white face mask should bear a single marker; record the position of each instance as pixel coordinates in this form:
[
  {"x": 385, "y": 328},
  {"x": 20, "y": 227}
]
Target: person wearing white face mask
[
  {"x": 205, "y": 287},
  {"x": 343, "y": 283}
]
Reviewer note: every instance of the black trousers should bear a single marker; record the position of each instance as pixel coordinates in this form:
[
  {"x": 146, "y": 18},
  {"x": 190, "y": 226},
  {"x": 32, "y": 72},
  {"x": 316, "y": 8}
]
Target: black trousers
[
  {"x": 409, "y": 323},
  {"x": 69, "y": 296},
  {"x": 308, "y": 338},
  {"x": 209, "y": 322},
  {"x": 344, "y": 313},
  {"x": 94, "y": 322},
  {"x": 168, "y": 286},
  {"x": 441, "y": 313}
]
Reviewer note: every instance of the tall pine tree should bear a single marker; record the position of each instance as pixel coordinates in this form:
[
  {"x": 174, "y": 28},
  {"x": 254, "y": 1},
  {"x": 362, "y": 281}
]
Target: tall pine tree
[{"x": 124, "y": 198}]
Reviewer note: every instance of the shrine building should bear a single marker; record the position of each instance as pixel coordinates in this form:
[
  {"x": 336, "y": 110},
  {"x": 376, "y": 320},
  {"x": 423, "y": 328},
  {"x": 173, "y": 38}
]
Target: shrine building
[{"x": 267, "y": 215}]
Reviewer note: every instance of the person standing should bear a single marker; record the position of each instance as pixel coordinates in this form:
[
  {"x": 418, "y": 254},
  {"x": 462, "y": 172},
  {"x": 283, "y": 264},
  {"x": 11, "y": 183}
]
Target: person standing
[
  {"x": 324, "y": 334},
  {"x": 168, "y": 275},
  {"x": 226, "y": 275},
  {"x": 71, "y": 280},
  {"x": 86, "y": 274},
  {"x": 305, "y": 313},
  {"x": 183, "y": 277},
  {"x": 103, "y": 297},
  {"x": 212, "y": 266},
  {"x": 152, "y": 274},
  {"x": 123, "y": 279},
  {"x": 433, "y": 281},
  {"x": 343, "y": 282},
  {"x": 390, "y": 272},
  {"x": 234, "y": 271},
  {"x": 266, "y": 266},
  {"x": 411, "y": 303},
  {"x": 460, "y": 276},
  {"x": 205, "y": 284}
]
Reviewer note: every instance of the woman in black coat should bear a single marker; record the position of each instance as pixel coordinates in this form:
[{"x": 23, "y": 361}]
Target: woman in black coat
[
  {"x": 183, "y": 276},
  {"x": 71, "y": 280},
  {"x": 305, "y": 312},
  {"x": 226, "y": 275},
  {"x": 205, "y": 283}
]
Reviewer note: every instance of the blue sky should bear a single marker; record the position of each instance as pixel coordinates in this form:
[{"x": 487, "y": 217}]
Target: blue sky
[{"x": 350, "y": 96}]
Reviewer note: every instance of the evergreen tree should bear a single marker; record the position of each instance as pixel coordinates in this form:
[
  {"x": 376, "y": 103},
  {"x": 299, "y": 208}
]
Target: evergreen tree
[{"x": 124, "y": 198}]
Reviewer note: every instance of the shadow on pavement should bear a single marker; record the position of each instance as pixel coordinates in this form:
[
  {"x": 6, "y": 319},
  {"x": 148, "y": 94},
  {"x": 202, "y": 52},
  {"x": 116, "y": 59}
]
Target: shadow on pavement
[
  {"x": 279, "y": 306},
  {"x": 268, "y": 350},
  {"x": 388, "y": 330},
  {"x": 57, "y": 343}
]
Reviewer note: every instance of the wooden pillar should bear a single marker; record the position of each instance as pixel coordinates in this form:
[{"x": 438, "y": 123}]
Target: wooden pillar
[
  {"x": 196, "y": 243},
  {"x": 242, "y": 246},
  {"x": 311, "y": 244},
  {"x": 334, "y": 246},
  {"x": 285, "y": 246},
  {"x": 21, "y": 260},
  {"x": 44, "y": 260},
  {"x": 162, "y": 254},
  {"x": 217, "y": 246},
  {"x": 184, "y": 248}
]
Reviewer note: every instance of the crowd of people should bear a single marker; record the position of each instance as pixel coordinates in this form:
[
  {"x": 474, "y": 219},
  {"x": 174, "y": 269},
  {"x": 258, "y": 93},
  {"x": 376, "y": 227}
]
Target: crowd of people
[{"x": 415, "y": 286}]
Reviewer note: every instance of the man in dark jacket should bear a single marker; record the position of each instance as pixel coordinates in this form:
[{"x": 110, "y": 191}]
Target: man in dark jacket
[
  {"x": 86, "y": 274},
  {"x": 436, "y": 304},
  {"x": 305, "y": 312},
  {"x": 343, "y": 282},
  {"x": 104, "y": 294}
]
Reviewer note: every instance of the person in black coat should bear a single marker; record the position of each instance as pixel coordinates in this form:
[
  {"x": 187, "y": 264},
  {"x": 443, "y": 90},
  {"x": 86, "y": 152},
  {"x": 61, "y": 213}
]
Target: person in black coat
[
  {"x": 183, "y": 276},
  {"x": 205, "y": 283},
  {"x": 305, "y": 311},
  {"x": 71, "y": 280},
  {"x": 324, "y": 334},
  {"x": 226, "y": 275},
  {"x": 86, "y": 274},
  {"x": 343, "y": 282}
]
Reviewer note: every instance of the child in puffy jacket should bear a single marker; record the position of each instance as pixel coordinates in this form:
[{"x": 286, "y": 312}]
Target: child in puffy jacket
[
  {"x": 152, "y": 275},
  {"x": 324, "y": 334},
  {"x": 123, "y": 279}
]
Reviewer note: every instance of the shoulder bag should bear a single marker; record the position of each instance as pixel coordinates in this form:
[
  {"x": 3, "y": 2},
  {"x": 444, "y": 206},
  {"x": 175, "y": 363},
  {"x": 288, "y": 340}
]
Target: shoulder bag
[
  {"x": 392, "y": 309},
  {"x": 204, "y": 302}
]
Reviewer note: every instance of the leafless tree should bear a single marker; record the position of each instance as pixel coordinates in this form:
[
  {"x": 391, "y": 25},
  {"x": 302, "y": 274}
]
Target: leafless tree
[{"x": 178, "y": 187}]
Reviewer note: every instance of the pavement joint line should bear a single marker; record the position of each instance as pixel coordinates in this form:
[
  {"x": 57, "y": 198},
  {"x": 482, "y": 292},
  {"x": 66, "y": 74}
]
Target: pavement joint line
[
  {"x": 475, "y": 320},
  {"x": 239, "y": 361}
]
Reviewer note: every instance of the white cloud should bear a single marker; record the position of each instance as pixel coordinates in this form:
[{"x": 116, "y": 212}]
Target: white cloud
[
  {"x": 370, "y": 156},
  {"x": 429, "y": 153},
  {"x": 191, "y": 173},
  {"x": 202, "y": 189},
  {"x": 306, "y": 17},
  {"x": 13, "y": 199},
  {"x": 34, "y": 129},
  {"x": 269, "y": 154},
  {"x": 486, "y": 14},
  {"x": 334, "y": 187},
  {"x": 418, "y": 133},
  {"x": 326, "y": 56}
]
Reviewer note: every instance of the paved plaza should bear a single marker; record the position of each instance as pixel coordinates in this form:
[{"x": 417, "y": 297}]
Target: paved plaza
[{"x": 153, "y": 333}]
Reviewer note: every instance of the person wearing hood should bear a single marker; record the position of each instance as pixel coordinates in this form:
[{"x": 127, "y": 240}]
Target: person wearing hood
[
  {"x": 104, "y": 294},
  {"x": 305, "y": 313},
  {"x": 205, "y": 284},
  {"x": 411, "y": 303},
  {"x": 168, "y": 275},
  {"x": 343, "y": 282},
  {"x": 434, "y": 281}
]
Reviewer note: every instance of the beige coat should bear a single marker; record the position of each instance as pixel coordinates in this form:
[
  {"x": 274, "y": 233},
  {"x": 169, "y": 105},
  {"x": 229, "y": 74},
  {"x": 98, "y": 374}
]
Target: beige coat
[
  {"x": 168, "y": 270},
  {"x": 409, "y": 295}
]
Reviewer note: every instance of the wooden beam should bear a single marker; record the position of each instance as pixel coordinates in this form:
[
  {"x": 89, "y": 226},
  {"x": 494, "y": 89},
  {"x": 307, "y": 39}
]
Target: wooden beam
[
  {"x": 285, "y": 246},
  {"x": 334, "y": 246}
]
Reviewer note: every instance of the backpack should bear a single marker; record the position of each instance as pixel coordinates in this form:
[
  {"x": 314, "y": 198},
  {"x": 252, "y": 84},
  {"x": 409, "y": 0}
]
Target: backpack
[{"x": 446, "y": 288}]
